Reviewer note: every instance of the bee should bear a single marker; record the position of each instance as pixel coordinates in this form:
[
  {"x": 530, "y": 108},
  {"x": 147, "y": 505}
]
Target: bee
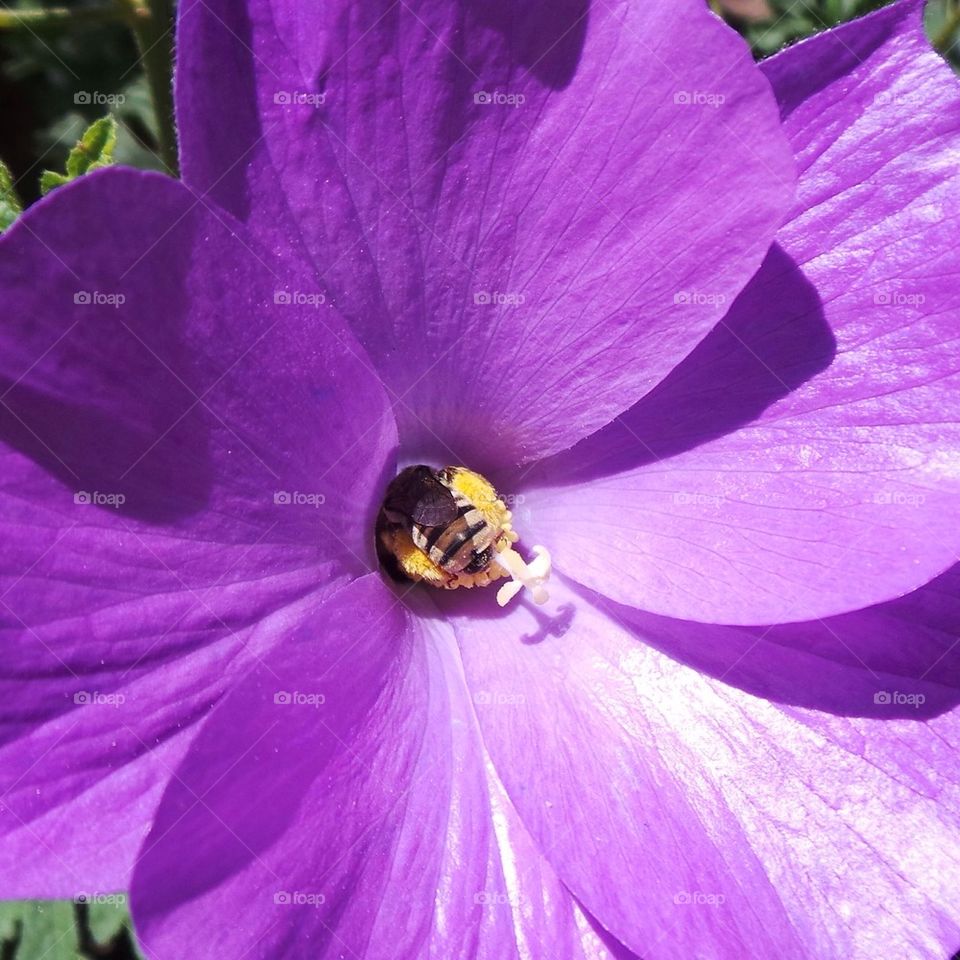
[{"x": 443, "y": 527}]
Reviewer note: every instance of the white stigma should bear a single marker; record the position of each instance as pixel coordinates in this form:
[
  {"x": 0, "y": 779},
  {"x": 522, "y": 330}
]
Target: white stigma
[{"x": 531, "y": 575}]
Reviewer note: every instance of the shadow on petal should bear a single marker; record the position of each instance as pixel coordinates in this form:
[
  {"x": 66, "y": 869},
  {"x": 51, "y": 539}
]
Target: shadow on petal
[
  {"x": 101, "y": 395},
  {"x": 217, "y": 163},
  {"x": 895, "y": 660},
  {"x": 774, "y": 338},
  {"x": 614, "y": 947},
  {"x": 156, "y": 467},
  {"x": 545, "y": 36}
]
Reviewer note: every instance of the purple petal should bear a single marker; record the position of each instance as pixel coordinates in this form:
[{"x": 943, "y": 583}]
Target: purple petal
[
  {"x": 802, "y": 462},
  {"x": 146, "y": 557},
  {"x": 339, "y": 802},
  {"x": 205, "y": 380},
  {"x": 693, "y": 819},
  {"x": 895, "y": 659},
  {"x": 521, "y": 271}
]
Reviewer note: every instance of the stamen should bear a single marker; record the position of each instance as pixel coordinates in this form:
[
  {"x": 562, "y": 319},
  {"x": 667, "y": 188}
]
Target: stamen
[{"x": 531, "y": 576}]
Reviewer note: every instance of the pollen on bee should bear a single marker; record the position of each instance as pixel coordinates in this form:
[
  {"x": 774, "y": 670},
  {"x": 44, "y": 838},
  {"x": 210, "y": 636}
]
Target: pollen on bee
[{"x": 449, "y": 529}]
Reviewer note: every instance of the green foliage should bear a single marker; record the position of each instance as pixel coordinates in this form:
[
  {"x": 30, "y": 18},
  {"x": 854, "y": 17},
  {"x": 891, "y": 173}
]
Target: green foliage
[
  {"x": 10, "y": 206},
  {"x": 92, "y": 151},
  {"x": 55, "y": 82},
  {"x": 62, "y": 930},
  {"x": 793, "y": 20},
  {"x": 38, "y": 928}
]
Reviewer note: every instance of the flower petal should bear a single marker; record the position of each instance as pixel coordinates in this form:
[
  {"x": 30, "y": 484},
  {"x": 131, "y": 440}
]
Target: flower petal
[
  {"x": 803, "y": 461},
  {"x": 896, "y": 659},
  {"x": 154, "y": 402},
  {"x": 164, "y": 357},
  {"x": 339, "y": 799},
  {"x": 529, "y": 213},
  {"x": 693, "y": 819}
]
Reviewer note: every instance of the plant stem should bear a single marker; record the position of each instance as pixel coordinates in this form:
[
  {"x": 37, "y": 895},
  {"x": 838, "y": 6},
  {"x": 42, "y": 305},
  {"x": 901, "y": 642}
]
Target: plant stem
[
  {"x": 51, "y": 18},
  {"x": 152, "y": 24}
]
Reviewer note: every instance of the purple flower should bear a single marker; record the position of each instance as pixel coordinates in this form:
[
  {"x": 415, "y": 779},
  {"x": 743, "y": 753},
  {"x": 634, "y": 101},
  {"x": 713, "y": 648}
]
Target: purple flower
[{"x": 562, "y": 244}]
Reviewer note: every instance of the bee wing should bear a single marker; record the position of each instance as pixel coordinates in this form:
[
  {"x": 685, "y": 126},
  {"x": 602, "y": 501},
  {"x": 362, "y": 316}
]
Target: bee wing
[
  {"x": 417, "y": 493},
  {"x": 436, "y": 506}
]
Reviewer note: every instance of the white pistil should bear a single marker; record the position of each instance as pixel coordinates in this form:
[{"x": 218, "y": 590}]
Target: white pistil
[{"x": 531, "y": 575}]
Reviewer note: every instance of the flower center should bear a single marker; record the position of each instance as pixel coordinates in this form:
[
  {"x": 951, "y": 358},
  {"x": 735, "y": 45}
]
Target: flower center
[{"x": 449, "y": 528}]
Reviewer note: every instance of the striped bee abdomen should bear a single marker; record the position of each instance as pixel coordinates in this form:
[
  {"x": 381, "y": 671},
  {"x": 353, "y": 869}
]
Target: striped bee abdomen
[
  {"x": 459, "y": 544},
  {"x": 449, "y": 529}
]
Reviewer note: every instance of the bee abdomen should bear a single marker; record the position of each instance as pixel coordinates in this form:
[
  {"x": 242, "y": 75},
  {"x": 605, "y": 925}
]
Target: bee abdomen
[
  {"x": 456, "y": 546},
  {"x": 480, "y": 561}
]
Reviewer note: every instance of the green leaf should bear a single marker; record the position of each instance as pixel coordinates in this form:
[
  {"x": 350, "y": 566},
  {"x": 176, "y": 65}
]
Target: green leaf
[
  {"x": 39, "y": 928},
  {"x": 93, "y": 150},
  {"x": 107, "y": 916},
  {"x": 10, "y": 206},
  {"x": 49, "y": 180},
  {"x": 61, "y": 930}
]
